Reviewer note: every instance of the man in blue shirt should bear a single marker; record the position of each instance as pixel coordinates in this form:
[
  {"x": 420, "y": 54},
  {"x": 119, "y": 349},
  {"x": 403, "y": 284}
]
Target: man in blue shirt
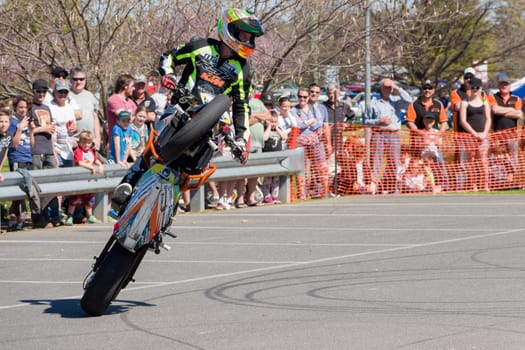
[{"x": 383, "y": 116}]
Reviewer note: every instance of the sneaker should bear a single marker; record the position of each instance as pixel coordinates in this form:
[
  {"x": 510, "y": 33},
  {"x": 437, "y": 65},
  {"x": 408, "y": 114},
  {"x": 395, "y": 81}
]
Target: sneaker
[
  {"x": 63, "y": 217},
  {"x": 69, "y": 220},
  {"x": 268, "y": 200},
  {"x": 120, "y": 196},
  {"x": 113, "y": 214},
  {"x": 182, "y": 209},
  {"x": 92, "y": 220},
  {"x": 212, "y": 202}
]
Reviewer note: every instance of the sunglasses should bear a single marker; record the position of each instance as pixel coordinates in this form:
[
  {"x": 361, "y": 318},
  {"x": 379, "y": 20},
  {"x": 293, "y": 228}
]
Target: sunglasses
[
  {"x": 303, "y": 96},
  {"x": 476, "y": 87},
  {"x": 428, "y": 88},
  {"x": 63, "y": 92},
  {"x": 61, "y": 76},
  {"x": 78, "y": 79}
]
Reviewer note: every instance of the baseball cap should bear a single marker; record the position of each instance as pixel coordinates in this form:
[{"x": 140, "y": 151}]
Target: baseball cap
[
  {"x": 124, "y": 115},
  {"x": 140, "y": 78},
  {"x": 428, "y": 83},
  {"x": 40, "y": 84},
  {"x": 469, "y": 70},
  {"x": 61, "y": 85},
  {"x": 59, "y": 71},
  {"x": 475, "y": 82},
  {"x": 503, "y": 78},
  {"x": 428, "y": 116}
]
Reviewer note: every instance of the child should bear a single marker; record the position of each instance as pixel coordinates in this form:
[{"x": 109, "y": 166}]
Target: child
[
  {"x": 274, "y": 137},
  {"x": 431, "y": 139},
  {"x": 285, "y": 119},
  {"x": 139, "y": 136},
  {"x": 417, "y": 178},
  {"x": 19, "y": 158},
  {"x": 120, "y": 145},
  {"x": 431, "y": 154},
  {"x": 501, "y": 171},
  {"x": 85, "y": 157},
  {"x": 6, "y": 139}
]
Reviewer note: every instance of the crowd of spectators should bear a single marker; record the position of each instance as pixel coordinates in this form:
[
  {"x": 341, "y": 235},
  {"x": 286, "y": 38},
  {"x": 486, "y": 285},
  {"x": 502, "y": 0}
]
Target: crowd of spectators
[
  {"x": 59, "y": 126},
  {"x": 383, "y": 156}
]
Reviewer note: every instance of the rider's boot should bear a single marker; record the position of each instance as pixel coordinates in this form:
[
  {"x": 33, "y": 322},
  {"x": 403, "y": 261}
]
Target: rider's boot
[
  {"x": 123, "y": 191},
  {"x": 121, "y": 195}
]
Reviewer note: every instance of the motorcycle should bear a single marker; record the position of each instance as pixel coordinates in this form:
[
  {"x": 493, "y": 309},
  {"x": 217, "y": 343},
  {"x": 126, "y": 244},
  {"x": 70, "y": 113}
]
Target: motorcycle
[{"x": 175, "y": 160}]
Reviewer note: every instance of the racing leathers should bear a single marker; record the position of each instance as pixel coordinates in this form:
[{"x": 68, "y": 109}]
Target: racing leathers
[{"x": 206, "y": 74}]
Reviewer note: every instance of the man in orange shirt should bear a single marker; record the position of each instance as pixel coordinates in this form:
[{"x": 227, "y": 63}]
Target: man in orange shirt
[
  {"x": 506, "y": 111},
  {"x": 424, "y": 105}
]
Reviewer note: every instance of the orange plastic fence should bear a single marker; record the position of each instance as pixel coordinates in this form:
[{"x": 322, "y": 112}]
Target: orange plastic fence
[{"x": 352, "y": 160}]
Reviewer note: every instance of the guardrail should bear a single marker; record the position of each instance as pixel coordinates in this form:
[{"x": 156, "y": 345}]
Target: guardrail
[{"x": 77, "y": 180}]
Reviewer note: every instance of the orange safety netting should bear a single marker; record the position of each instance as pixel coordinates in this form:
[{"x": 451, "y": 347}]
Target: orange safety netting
[{"x": 353, "y": 159}]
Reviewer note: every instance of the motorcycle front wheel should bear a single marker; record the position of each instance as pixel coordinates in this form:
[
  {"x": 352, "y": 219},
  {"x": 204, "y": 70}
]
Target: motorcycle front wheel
[
  {"x": 195, "y": 129},
  {"x": 107, "y": 281}
]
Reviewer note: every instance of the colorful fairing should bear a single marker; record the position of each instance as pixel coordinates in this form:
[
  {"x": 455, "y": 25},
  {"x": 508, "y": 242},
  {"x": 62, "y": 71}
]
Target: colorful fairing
[{"x": 149, "y": 209}]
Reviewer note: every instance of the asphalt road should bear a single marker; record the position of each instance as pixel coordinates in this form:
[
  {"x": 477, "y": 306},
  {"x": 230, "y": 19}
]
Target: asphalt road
[{"x": 422, "y": 272}]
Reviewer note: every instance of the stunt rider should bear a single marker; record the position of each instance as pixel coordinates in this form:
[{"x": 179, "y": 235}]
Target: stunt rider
[{"x": 211, "y": 67}]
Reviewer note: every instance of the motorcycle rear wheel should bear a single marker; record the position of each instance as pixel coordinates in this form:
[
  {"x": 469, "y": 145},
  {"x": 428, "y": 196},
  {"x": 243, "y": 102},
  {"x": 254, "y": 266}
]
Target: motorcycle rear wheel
[{"x": 107, "y": 281}]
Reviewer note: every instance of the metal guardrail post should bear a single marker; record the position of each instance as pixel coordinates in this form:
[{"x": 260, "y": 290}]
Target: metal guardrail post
[{"x": 100, "y": 210}]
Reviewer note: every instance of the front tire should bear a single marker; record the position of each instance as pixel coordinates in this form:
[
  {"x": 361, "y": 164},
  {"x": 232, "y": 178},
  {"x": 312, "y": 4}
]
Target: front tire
[
  {"x": 194, "y": 129},
  {"x": 107, "y": 280}
]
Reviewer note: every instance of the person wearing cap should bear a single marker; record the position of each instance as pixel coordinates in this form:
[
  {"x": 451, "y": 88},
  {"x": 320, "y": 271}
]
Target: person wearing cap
[
  {"x": 59, "y": 73},
  {"x": 383, "y": 115},
  {"x": 506, "y": 111},
  {"x": 432, "y": 155},
  {"x": 426, "y": 105},
  {"x": 42, "y": 128},
  {"x": 474, "y": 122},
  {"x": 141, "y": 98},
  {"x": 120, "y": 140},
  {"x": 55, "y": 75},
  {"x": 461, "y": 94},
  {"x": 64, "y": 117}
]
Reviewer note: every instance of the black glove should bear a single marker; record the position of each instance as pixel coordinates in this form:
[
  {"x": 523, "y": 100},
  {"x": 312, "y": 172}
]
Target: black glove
[
  {"x": 240, "y": 151},
  {"x": 169, "y": 81}
]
